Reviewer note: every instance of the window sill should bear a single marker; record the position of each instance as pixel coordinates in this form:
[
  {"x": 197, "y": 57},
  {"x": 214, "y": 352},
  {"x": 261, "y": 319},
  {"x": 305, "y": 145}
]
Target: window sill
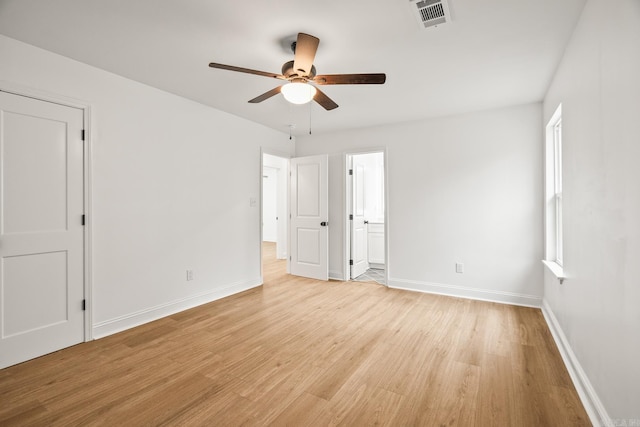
[{"x": 556, "y": 269}]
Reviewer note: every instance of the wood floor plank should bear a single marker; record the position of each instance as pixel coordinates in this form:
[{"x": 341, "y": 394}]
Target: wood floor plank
[
  {"x": 299, "y": 352},
  {"x": 341, "y": 371},
  {"x": 459, "y": 390},
  {"x": 495, "y": 398},
  {"x": 305, "y": 410},
  {"x": 25, "y": 414}
]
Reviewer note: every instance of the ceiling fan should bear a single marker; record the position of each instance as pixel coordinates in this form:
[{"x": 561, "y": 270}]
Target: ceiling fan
[{"x": 300, "y": 72}]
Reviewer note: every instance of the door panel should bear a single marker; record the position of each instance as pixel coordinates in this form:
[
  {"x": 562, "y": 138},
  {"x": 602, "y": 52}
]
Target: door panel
[
  {"x": 22, "y": 278},
  {"x": 308, "y": 198},
  {"x": 359, "y": 252},
  {"x": 41, "y": 233},
  {"x": 35, "y": 161},
  {"x": 308, "y": 246},
  {"x": 309, "y": 210}
]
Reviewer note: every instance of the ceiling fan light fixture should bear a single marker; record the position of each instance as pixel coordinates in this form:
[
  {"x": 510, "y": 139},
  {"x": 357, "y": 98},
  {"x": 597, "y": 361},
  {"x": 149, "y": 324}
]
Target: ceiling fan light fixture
[
  {"x": 298, "y": 93},
  {"x": 299, "y": 72}
]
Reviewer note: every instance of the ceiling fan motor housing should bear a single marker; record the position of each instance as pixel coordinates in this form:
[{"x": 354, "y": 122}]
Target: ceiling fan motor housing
[{"x": 289, "y": 72}]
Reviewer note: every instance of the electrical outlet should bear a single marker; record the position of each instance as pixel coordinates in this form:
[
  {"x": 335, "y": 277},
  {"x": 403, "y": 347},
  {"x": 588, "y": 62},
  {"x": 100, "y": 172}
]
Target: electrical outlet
[
  {"x": 459, "y": 267},
  {"x": 189, "y": 275}
]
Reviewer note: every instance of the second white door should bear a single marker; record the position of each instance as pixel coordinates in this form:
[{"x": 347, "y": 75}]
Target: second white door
[
  {"x": 309, "y": 235},
  {"x": 359, "y": 254}
]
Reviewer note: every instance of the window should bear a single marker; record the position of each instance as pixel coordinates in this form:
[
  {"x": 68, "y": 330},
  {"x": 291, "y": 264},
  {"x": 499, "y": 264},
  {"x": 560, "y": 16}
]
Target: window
[
  {"x": 553, "y": 195},
  {"x": 557, "y": 187}
]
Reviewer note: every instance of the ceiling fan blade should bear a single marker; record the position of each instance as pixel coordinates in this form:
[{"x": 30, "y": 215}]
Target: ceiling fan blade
[
  {"x": 350, "y": 79},
  {"x": 266, "y": 95},
  {"x": 246, "y": 70},
  {"x": 322, "y": 99},
  {"x": 306, "y": 47}
]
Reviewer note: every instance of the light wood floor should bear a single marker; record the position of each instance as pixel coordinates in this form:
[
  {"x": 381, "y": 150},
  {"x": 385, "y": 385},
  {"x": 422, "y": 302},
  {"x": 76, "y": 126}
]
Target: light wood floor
[{"x": 301, "y": 352}]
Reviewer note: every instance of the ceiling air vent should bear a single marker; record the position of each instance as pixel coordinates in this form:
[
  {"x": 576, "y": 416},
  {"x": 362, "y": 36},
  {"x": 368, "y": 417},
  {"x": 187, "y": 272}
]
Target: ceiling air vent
[{"x": 431, "y": 12}]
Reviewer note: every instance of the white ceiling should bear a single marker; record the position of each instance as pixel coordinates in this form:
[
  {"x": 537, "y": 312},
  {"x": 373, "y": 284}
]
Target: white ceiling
[{"x": 494, "y": 53}]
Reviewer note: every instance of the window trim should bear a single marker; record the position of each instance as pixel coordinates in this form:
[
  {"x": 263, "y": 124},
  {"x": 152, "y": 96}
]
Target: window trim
[{"x": 554, "y": 235}]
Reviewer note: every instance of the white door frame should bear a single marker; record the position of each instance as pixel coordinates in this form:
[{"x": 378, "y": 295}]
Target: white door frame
[
  {"x": 287, "y": 157},
  {"x": 16, "y": 89},
  {"x": 346, "y": 185}
]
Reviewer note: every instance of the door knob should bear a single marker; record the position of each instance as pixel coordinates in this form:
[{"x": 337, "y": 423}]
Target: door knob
[{"x": 324, "y": 223}]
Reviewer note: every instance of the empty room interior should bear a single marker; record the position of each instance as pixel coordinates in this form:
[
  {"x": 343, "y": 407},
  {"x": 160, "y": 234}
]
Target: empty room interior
[{"x": 342, "y": 213}]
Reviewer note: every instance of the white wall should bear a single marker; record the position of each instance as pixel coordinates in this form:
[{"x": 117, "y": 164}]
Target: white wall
[
  {"x": 461, "y": 189},
  {"x": 597, "y": 309},
  {"x": 172, "y": 181}
]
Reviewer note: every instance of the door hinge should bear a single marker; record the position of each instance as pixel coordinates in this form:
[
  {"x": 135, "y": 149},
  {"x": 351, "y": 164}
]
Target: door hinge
[
  {"x": 83, "y": 219},
  {"x": 350, "y": 171},
  {"x": 351, "y": 217},
  {"x": 84, "y": 305},
  {"x": 83, "y": 134},
  {"x": 350, "y": 262}
]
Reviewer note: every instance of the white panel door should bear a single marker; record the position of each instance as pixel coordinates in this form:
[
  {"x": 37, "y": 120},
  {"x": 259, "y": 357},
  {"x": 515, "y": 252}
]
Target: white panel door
[
  {"x": 359, "y": 253},
  {"x": 309, "y": 217},
  {"x": 41, "y": 231}
]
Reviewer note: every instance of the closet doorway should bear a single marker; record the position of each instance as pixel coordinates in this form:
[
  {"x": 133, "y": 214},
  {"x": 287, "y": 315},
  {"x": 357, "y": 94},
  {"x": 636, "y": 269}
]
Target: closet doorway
[
  {"x": 366, "y": 230},
  {"x": 275, "y": 182}
]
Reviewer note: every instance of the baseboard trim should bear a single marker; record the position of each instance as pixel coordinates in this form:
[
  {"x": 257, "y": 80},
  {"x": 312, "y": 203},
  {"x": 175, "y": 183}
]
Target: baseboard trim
[
  {"x": 590, "y": 400},
  {"x": 128, "y": 321},
  {"x": 465, "y": 292},
  {"x": 336, "y": 275}
]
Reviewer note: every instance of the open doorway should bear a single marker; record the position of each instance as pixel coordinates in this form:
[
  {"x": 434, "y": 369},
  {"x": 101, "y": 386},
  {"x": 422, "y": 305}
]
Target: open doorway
[
  {"x": 366, "y": 231},
  {"x": 275, "y": 172}
]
